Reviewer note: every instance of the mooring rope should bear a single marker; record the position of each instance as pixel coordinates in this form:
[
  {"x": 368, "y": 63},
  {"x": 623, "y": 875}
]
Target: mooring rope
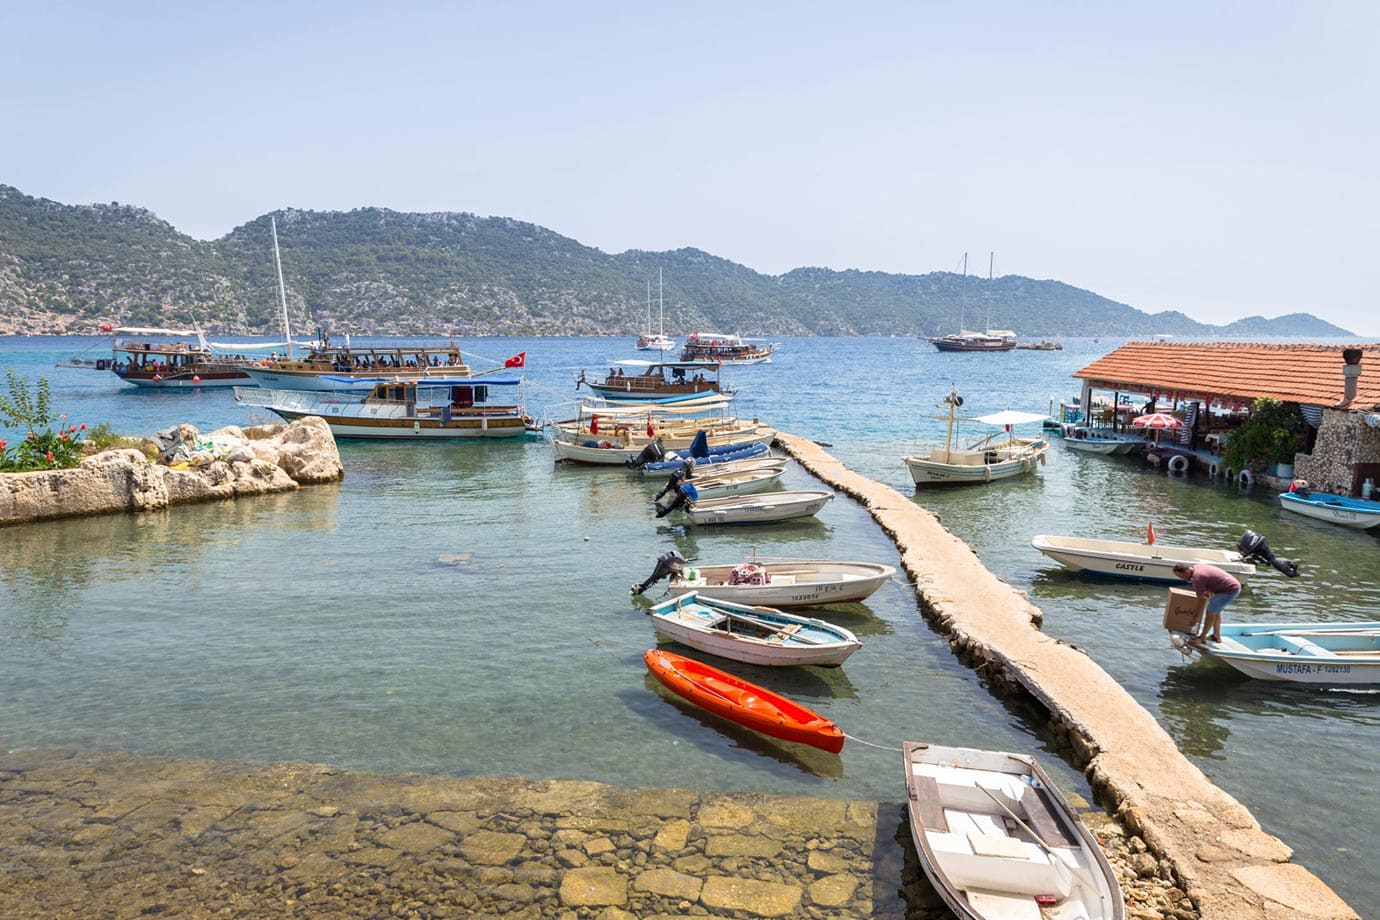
[{"x": 880, "y": 747}]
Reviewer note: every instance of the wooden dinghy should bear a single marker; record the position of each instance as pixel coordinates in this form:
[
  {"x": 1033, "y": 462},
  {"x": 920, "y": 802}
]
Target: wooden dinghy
[
  {"x": 753, "y": 635},
  {"x": 742, "y": 702},
  {"x": 999, "y": 842}
]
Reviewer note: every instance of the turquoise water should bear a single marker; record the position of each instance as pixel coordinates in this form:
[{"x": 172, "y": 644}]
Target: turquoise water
[{"x": 464, "y": 609}]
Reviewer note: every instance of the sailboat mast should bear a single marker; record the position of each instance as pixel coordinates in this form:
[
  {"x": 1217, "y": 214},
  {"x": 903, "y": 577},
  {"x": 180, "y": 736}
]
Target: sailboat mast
[
  {"x": 649, "y": 306},
  {"x": 661, "y": 305},
  {"x": 963, "y": 295},
  {"x": 282, "y": 290},
  {"x": 991, "y": 257}
]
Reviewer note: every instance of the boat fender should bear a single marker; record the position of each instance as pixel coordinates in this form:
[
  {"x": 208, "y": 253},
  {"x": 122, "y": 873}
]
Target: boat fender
[
  {"x": 1178, "y": 463},
  {"x": 958, "y": 400},
  {"x": 1246, "y": 478},
  {"x": 1213, "y": 469}
]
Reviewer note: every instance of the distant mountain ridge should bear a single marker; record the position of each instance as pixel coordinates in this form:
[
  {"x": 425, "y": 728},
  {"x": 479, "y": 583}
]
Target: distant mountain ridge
[{"x": 69, "y": 268}]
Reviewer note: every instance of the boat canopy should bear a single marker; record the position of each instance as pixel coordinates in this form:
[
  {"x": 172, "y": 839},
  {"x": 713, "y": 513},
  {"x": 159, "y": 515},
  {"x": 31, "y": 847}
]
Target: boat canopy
[
  {"x": 638, "y": 410},
  {"x": 357, "y": 382},
  {"x": 687, "y": 365},
  {"x": 1010, "y": 417}
]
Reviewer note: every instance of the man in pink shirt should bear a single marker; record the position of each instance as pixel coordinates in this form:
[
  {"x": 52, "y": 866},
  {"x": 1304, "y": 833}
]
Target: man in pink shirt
[{"x": 1215, "y": 589}]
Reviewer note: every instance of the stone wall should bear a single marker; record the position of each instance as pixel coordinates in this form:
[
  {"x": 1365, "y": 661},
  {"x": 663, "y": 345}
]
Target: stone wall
[
  {"x": 1344, "y": 440},
  {"x": 284, "y": 457}
]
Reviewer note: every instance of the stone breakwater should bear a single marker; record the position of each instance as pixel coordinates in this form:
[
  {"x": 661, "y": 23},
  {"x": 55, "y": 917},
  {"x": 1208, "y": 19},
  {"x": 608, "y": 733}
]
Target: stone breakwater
[
  {"x": 278, "y": 458},
  {"x": 1206, "y": 843},
  {"x": 125, "y": 836}
]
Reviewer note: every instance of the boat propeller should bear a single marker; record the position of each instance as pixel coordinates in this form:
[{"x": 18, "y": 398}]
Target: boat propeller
[
  {"x": 671, "y": 563},
  {"x": 1254, "y": 549}
]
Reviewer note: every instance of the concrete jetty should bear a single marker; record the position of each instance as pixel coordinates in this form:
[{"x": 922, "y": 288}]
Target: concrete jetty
[{"x": 1209, "y": 843}]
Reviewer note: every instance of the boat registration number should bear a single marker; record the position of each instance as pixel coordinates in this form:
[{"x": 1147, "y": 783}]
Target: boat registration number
[{"x": 1294, "y": 668}]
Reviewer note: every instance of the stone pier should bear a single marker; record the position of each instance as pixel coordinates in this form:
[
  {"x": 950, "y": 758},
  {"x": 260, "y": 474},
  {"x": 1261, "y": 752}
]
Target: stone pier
[{"x": 1208, "y": 843}]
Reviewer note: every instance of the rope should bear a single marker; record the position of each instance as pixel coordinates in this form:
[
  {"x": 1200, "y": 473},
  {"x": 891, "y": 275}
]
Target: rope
[{"x": 880, "y": 747}]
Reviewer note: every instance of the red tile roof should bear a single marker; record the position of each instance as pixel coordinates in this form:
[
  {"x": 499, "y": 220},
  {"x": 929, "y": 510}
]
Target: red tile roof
[{"x": 1307, "y": 374}]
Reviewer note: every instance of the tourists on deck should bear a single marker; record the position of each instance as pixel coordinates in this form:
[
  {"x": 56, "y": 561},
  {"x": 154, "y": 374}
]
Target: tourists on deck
[{"x": 1215, "y": 589}]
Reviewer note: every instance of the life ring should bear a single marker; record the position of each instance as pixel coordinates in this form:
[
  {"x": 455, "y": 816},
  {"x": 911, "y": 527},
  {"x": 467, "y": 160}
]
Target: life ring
[
  {"x": 1213, "y": 469},
  {"x": 1178, "y": 463},
  {"x": 1246, "y": 478}
]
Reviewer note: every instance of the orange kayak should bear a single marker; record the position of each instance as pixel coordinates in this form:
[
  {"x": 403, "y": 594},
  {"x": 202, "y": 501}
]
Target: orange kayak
[{"x": 740, "y": 701}]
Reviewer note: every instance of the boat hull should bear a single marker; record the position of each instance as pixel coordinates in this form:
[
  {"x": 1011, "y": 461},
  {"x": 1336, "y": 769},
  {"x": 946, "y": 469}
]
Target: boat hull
[
  {"x": 992, "y": 833},
  {"x": 1323, "y": 654},
  {"x": 790, "y": 584},
  {"x": 933, "y": 471},
  {"x": 743, "y": 633},
  {"x": 758, "y": 509},
  {"x": 1355, "y": 513},
  {"x": 750, "y": 482},
  {"x": 1139, "y": 561},
  {"x": 199, "y": 378},
  {"x": 742, "y": 702}
]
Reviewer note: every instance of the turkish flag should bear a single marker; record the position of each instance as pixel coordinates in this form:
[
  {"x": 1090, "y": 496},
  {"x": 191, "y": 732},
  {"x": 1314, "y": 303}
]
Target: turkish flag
[{"x": 517, "y": 360}]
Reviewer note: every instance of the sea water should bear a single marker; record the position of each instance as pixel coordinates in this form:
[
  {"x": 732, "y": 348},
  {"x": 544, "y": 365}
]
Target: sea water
[{"x": 464, "y": 608}]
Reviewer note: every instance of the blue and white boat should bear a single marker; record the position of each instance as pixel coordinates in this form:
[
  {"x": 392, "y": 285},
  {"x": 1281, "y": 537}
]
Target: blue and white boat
[
  {"x": 1301, "y": 653},
  {"x": 1357, "y": 513},
  {"x": 753, "y": 635}
]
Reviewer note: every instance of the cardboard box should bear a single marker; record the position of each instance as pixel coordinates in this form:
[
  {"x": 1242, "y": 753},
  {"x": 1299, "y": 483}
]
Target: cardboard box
[{"x": 1181, "y": 611}]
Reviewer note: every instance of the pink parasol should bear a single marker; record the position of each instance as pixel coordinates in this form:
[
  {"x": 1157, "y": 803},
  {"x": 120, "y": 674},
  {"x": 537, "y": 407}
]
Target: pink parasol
[{"x": 1156, "y": 420}]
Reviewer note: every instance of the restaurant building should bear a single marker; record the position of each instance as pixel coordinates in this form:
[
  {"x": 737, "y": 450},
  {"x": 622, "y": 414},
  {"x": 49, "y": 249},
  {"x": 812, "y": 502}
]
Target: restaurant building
[{"x": 1212, "y": 386}]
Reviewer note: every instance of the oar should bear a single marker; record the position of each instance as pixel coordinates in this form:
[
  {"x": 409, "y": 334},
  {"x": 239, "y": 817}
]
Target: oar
[
  {"x": 774, "y": 628},
  {"x": 1292, "y": 631},
  {"x": 1075, "y": 871}
]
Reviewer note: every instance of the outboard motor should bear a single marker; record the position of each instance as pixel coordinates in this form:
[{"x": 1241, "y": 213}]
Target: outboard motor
[
  {"x": 652, "y": 453},
  {"x": 683, "y": 495},
  {"x": 670, "y": 564},
  {"x": 674, "y": 482},
  {"x": 1255, "y": 550}
]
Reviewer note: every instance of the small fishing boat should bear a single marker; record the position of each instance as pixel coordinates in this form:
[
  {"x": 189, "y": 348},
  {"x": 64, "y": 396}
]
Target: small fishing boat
[
  {"x": 744, "y": 509},
  {"x": 1100, "y": 441},
  {"x": 785, "y": 583},
  {"x": 999, "y": 842},
  {"x": 716, "y": 483},
  {"x": 1301, "y": 653},
  {"x": 1357, "y": 513},
  {"x": 742, "y": 702},
  {"x": 987, "y": 460},
  {"x": 718, "y": 464},
  {"x": 752, "y": 635},
  {"x": 1143, "y": 561}
]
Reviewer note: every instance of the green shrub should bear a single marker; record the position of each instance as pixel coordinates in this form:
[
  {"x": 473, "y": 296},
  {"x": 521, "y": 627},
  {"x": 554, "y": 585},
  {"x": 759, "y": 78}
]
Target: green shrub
[
  {"x": 42, "y": 447},
  {"x": 1266, "y": 437}
]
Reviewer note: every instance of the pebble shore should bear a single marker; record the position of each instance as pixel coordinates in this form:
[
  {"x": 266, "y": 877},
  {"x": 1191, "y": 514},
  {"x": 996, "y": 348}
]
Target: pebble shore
[{"x": 125, "y": 836}]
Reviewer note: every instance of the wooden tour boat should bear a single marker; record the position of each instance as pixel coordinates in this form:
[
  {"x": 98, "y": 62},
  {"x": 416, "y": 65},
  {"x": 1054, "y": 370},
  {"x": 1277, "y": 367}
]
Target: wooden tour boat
[
  {"x": 742, "y": 702},
  {"x": 725, "y": 349},
  {"x": 655, "y": 381},
  {"x": 987, "y": 460}
]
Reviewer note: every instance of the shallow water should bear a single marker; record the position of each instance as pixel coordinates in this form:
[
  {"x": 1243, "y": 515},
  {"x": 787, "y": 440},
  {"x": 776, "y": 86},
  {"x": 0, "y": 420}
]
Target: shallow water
[{"x": 464, "y": 609}]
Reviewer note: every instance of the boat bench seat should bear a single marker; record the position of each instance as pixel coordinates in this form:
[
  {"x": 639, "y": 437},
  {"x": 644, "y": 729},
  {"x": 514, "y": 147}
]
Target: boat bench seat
[
  {"x": 1301, "y": 646},
  {"x": 969, "y": 797},
  {"x": 998, "y": 863}
]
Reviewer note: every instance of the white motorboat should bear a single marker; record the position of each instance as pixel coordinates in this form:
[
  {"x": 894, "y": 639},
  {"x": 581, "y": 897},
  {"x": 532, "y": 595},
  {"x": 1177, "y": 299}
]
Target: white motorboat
[
  {"x": 745, "y": 509},
  {"x": 1357, "y": 513},
  {"x": 782, "y": 583},
  {"x": 720, "y": 484},
  {"x": 753, "y": 635},
  {"x": 1301, "y": 653},
  {"x": 987, "y": 460},
  {"x": 999, "y": 842},
  {"x": 1144, "y": 561}
]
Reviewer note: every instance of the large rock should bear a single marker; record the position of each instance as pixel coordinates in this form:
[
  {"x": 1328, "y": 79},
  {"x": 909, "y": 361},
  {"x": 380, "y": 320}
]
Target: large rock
[{"x": 277, "y": 458}]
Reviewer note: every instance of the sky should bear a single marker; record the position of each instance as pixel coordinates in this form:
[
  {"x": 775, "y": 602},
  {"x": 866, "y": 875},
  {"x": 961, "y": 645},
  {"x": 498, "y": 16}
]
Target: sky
[{"x": 1221, "y": 159}]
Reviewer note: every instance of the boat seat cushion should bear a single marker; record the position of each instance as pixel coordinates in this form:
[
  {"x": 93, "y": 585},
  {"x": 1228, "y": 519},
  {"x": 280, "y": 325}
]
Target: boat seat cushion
[{"x": 999, "y": 863}]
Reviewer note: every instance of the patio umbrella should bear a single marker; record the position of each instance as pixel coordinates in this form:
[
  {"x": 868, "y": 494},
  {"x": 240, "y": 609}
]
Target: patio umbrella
[
  {"x": 1010, "y": 417},
  {"x": 1156, "y": 420}
]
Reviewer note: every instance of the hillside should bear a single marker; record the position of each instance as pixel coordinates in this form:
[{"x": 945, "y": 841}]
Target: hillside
[{"x": 66, "y": 268}]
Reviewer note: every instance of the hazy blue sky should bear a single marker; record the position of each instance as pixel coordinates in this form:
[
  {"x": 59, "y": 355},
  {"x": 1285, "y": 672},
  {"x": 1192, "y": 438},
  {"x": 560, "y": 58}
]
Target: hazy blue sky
[{"x": 1222, "y": 159}]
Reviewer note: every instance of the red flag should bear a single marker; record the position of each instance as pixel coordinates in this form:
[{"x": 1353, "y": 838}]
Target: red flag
[
  {"x": 651, "y": 431},
  {"x": 517, "y": 360},
  {"x": 1150, "y": 533},
  {"x": 594, "y": 424}
]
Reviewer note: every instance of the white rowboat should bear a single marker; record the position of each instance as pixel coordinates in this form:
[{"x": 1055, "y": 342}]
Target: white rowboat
[
  {"x": 1144, "y": 561},
  {"x": 752, "y": 635},
  {"x": 1328, "y": 654},
  {"x": 999, "y": 842}
]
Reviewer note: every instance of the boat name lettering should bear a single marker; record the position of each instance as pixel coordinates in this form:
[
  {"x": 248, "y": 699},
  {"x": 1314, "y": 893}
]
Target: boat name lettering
[
  {"x": 1312, "y": 669},
  {"x": 1130, "y": 567}
]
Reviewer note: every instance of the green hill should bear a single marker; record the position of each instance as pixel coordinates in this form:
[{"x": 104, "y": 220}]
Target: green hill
[{"x": 66, "y": 268}]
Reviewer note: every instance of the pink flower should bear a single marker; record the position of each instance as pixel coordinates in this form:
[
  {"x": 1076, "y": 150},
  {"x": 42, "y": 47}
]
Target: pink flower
[
  {"x": 83, "y": 426},
  {"x": 50, "y": 456},
  {"x": 2, "y": 445}
]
